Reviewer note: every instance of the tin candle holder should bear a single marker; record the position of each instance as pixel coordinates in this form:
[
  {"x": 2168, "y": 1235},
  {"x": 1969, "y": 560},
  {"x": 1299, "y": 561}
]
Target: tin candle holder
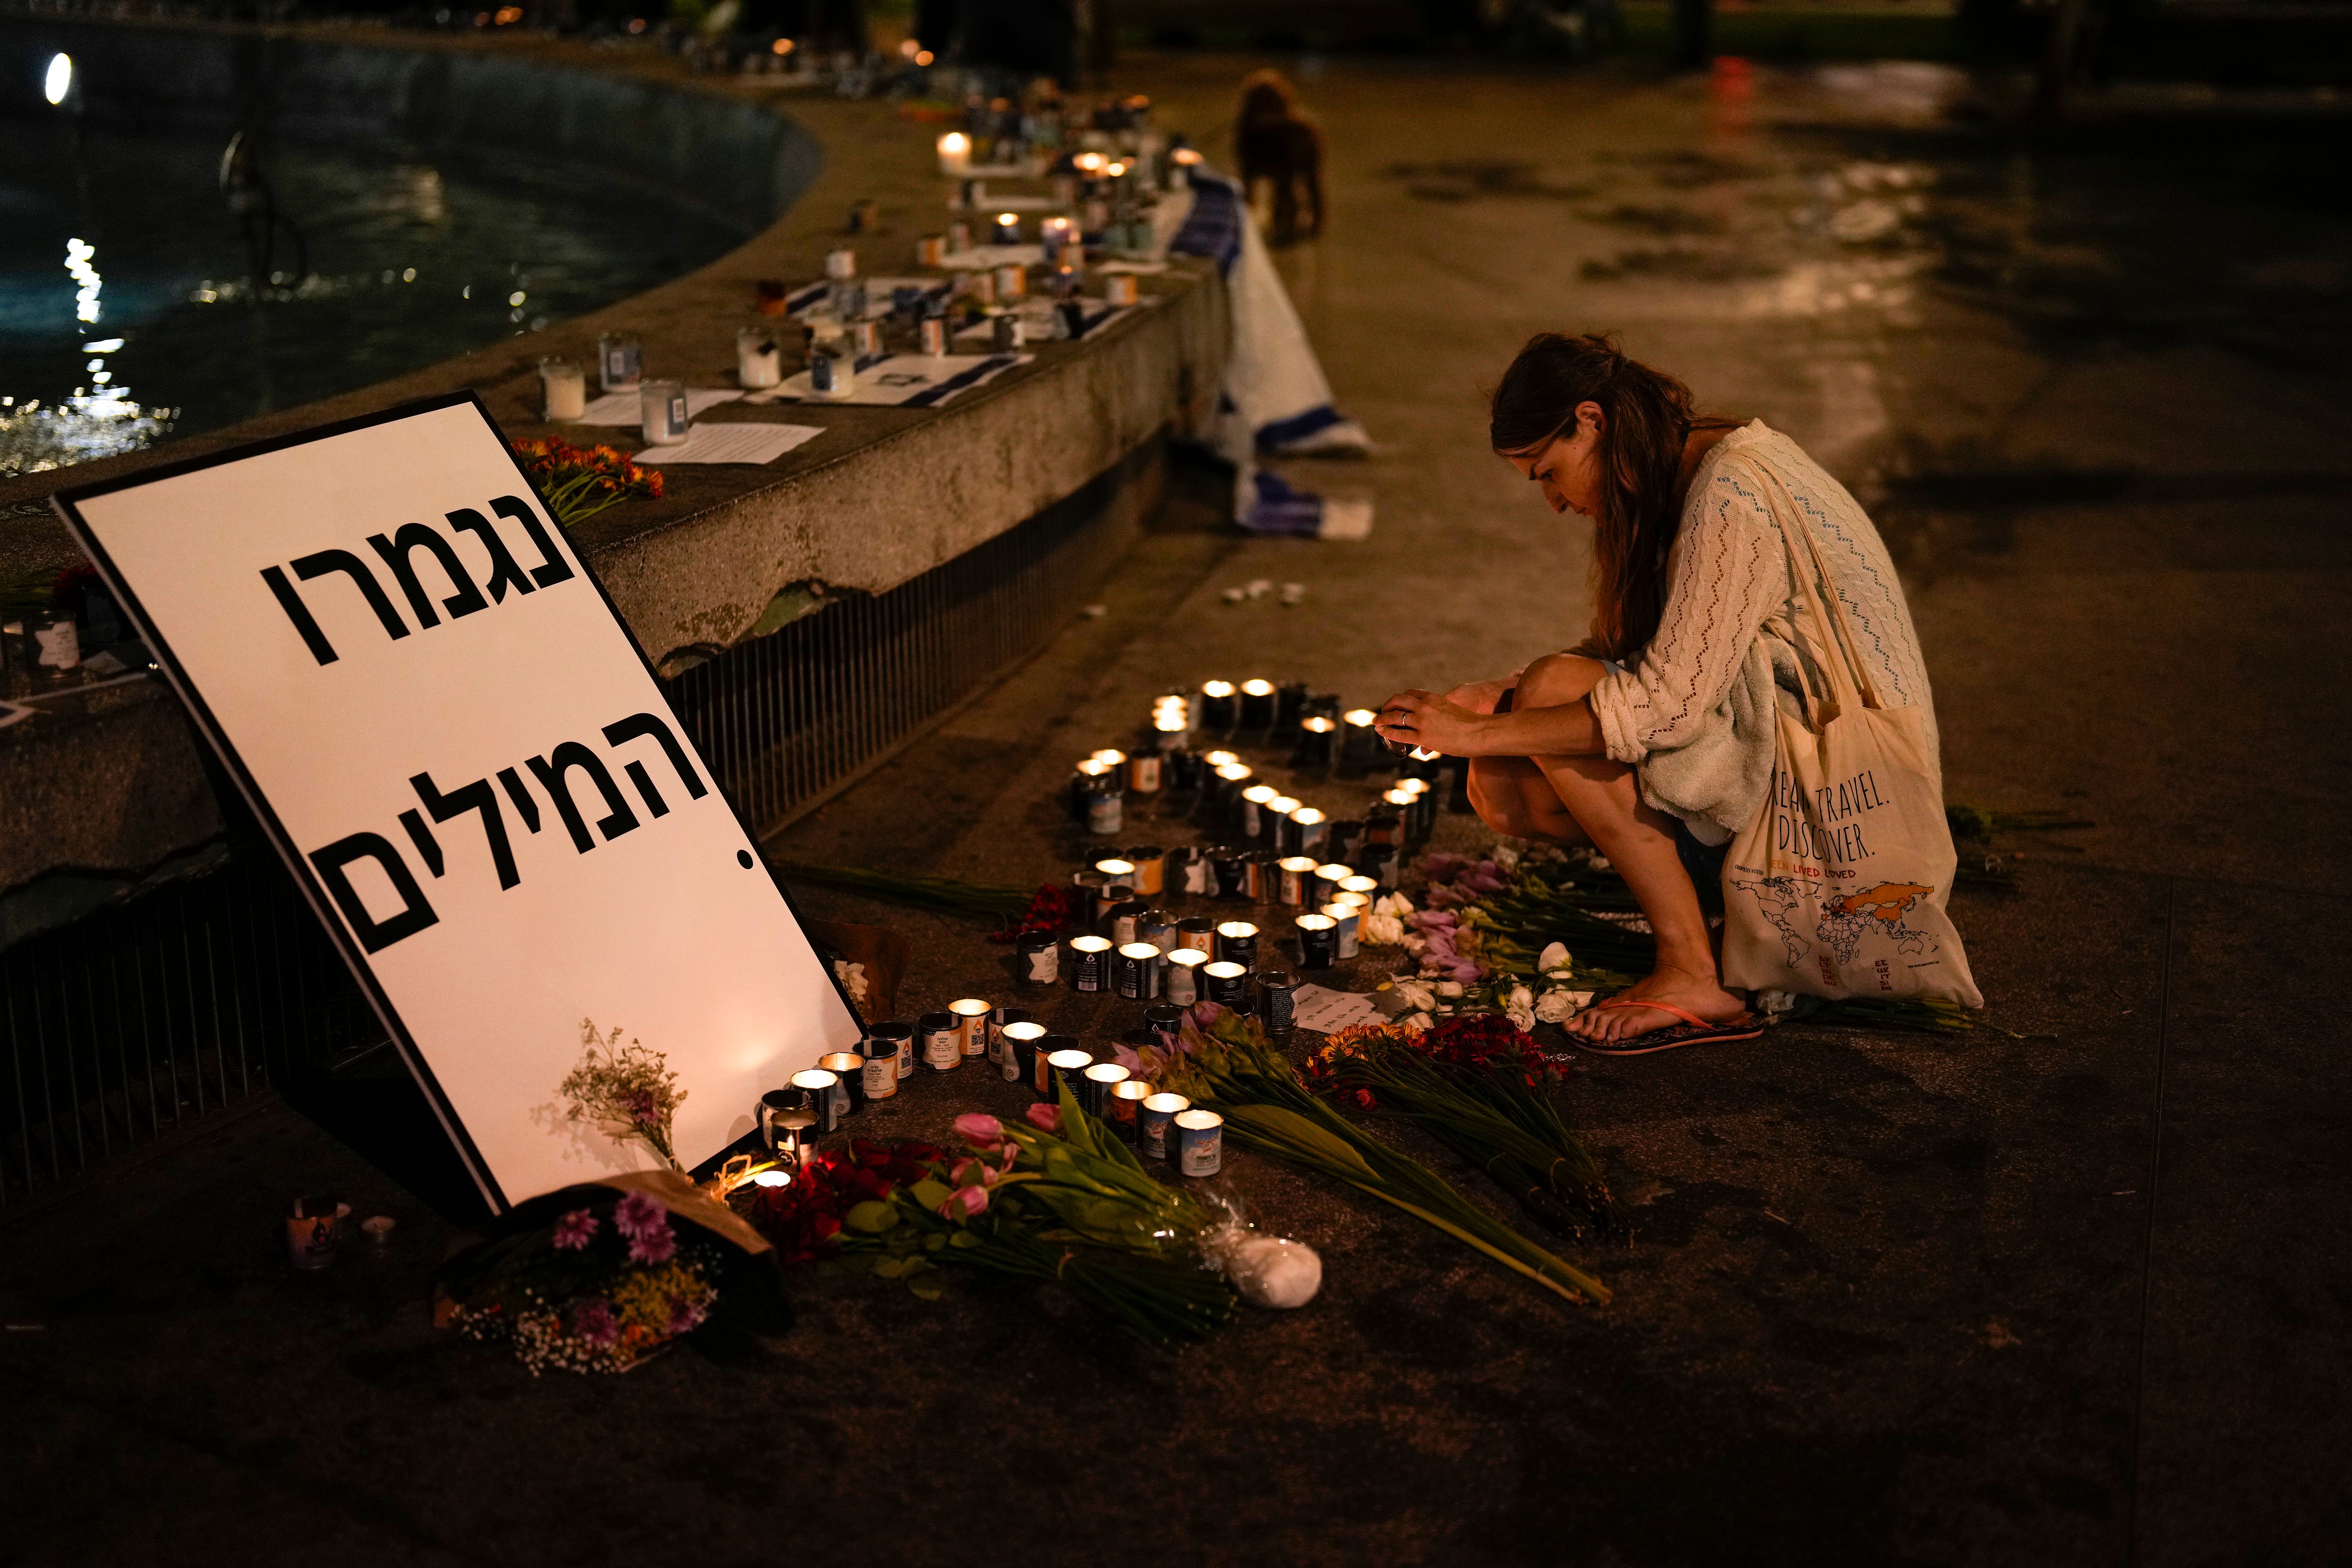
[
  {"x": 775, "y": 1107},
  {"x": 1296, "y": 872},
  {"x": 1289, "y": 707},
  {"x": 1344, "y": 928},
  {"x": 1155, "y": 1120},
  {"x": 939, "y": 1043},
  {"x": 1012, "y": 284},
  {"x": 1283, "y": 839},
  {"x": 999, "y": 1020},
  {"x": 970, "y": 1014},
  {"x": 1007, "y": 229},
  {"x": 1019, "y": 1062},
  {"x": 1181, "y": 982},
  {"x": 1066, "y": 1065},
  {"x": 1199, "y": 1142},
  {"x": 1218, "y": 712},
  {"x": 1359, "y": 743},
  {"x": 1257, "y": 705},
  {"x": 881, "y": 1073},
  {"x": 1315, "y": 741},
  {"x": 1040, "y": 958},
  {"x": 955, "y": 155},
  {"x": 1327, "y": 879},
  {"x": 1165, "y": 1024},
  {"x": 1125, "y": 1107},
  {"x": 900, "y": 1032},
  {"x": 1136, "y": 971},
  {"x": 1116, "y": 869},
  {"x": 1149, "y": 876},
  {"x": 1143, "y": 771},
  {"x": 1276, "y": 996},
  {"x": 1095, "y": 1087},
  {"x": 1227, "y": 983},
  {"x": 1256, "y": 820},
  {"x": 1318, "y": 941},
  {"x": 1090, "y": 964},
  {"x": 826, "y": 1094},
  {"x": 1237, "y": 943},
  {"x": 1219, "y": 759},
  {"x": 1308, "y": 825},
  {"x": 840, "y": 264}
]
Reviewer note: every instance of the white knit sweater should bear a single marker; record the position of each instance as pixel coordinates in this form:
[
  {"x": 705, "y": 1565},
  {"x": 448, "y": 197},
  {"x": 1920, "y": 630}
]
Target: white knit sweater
[{"x": 1693, "y": 714}]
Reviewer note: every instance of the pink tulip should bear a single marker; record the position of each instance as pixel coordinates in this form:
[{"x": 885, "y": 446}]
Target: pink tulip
[
  {"x": 967, "y": 1172},
  {"x": 1046, "y": 1118},
  {"x": 965, "y": 1203},
  {"x": 980, "y": 1130}
]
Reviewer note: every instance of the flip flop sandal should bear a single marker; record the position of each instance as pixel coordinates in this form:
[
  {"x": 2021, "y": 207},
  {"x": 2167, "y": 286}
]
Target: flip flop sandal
[{"x": 1697, "y": 1032}]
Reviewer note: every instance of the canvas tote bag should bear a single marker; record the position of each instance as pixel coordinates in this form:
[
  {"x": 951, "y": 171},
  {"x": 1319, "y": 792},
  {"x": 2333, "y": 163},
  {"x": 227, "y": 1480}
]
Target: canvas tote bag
[{"x": 1838, "y": 888}]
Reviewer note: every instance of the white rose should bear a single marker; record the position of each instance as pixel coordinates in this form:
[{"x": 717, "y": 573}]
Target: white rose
[
  {"x": 1416, "y": 995},
  {"x": 1418, "y": 1023},
  {"x": 1506, "y": 857},
  {"x": 1449, "y": 988},
  {"x": 1554, "y": 956},
  {"x": 1555, "y": 1006},
  {"x": 1395, "y": 904},
  {"x": 1381, "y": 931},
  {"x": 1522, "y": 1016}
]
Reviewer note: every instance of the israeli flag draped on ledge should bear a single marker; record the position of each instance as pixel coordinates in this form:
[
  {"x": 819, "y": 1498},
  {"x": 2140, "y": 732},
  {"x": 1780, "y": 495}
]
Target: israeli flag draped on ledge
[{"x": 1275, "y": 401}]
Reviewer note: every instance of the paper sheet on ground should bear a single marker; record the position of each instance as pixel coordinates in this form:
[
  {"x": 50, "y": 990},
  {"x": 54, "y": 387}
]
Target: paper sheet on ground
[
  {"x": 736, "y": 443},
  {"x": 910, "y": 380},
  {"x": 623, "y": 408},
  {"x": 1327, "y": 1012}
]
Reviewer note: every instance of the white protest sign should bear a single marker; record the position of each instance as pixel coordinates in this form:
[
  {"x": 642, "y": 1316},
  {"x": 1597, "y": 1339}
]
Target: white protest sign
[{"x": 458, "y": 748}]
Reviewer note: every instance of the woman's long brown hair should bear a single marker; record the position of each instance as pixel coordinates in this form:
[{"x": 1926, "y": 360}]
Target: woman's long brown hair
[{"x": 1646, "y": 422}]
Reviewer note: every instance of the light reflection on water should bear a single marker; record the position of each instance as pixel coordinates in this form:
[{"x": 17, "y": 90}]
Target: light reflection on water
[{"x": 128, "y": 311}]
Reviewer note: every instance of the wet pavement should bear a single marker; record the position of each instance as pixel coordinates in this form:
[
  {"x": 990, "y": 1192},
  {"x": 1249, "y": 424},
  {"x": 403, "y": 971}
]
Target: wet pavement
[{"x": 2074, "y": 1289}]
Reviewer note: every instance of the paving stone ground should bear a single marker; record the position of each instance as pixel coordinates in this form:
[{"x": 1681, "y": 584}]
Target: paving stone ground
[{"x": 2069, "y": 1291}]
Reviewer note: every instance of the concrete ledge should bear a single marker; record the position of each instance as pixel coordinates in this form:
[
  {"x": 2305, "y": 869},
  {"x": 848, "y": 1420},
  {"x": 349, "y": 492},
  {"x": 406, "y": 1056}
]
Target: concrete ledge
[{"x": 882, "y": 497}]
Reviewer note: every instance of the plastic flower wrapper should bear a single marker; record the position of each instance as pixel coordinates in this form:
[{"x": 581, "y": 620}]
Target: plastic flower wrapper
[
  {"x": 1268, "y": 1270},
  {"x": 596, "y": 1277}
]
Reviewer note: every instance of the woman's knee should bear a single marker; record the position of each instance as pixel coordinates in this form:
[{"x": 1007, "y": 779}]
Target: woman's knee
[{"x": 1557, "y": 680}]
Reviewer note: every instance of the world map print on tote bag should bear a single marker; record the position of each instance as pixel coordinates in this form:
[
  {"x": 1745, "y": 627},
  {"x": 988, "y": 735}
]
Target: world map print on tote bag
[{"x": 1838, "y": 888}]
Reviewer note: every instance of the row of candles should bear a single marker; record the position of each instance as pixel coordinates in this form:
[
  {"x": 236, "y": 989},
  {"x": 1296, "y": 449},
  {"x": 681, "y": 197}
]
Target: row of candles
[{"x": 1162, "y": 1126}]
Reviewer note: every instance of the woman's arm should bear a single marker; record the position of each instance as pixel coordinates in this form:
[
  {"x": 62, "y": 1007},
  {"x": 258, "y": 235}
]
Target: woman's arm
[{"x": 1562, "y": 728}]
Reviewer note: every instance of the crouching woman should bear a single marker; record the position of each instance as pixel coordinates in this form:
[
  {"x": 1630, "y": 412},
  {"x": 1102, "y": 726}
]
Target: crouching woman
[{"x": 1653, "y": 742}]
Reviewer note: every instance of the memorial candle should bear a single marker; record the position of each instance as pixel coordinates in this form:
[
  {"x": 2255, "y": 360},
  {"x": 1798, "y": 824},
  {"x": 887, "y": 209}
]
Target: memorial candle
[
  {"x": 1217, "y": 709},
  {"x": 1090, "y": 964},
  {"x": 1311, "y": 822},
  {"x": 1283, "y": 839},
  {"x": 1237, "y": 943},
  {"x": 1056, "y": 233},
  {"x": 1318, "y": 941},
  {"x": 1257, "y": 705},
  {"x": 955, "y": 155},
  {"x": 1365, "y": 887},
  {"x": 1098, "y": 1082},
  {"x": 1181, "y": 985},
  {"x": 1008, "y": 228},
  {"x": 756, "y": 362},
  {"x": 1345, "y": 921},
  {"x": 1327, "y": 879},
  {"x": 1017, "y": 1061},
  {"x": 1256, "y": 815},
  {"x": 1360, "y": 746},
  {"x": 972, "y": 1026},
  {"x": 1315, "y": 733},
  {"x": 1125, "y": 1107},
  {"x": 563, "y": 389},
  {"x": 1297, "y": 872}
]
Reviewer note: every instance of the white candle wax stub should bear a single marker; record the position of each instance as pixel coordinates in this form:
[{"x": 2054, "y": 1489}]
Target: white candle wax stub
[
  {"x": 563, "y": 389},
  {"x": 756, "y": 362}
]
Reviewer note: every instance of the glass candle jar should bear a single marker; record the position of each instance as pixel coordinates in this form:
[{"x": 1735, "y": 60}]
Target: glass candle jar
[
  {"x": 661, "y": 410},
  {"x": 563, "y": 389}
]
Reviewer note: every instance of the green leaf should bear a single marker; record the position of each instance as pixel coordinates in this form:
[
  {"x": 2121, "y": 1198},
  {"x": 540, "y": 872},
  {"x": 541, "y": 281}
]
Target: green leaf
[
  {"x": 963, "y": 1238},
  {"x": 930, "y": 1193},
  {"x": 925, "y": 1290},
  {"x": 934, "y": 1241},
  {"x": 890, "y": 1267},
  {"x": 873, "y": 1216}
]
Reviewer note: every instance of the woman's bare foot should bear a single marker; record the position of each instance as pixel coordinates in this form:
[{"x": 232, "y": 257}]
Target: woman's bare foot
[{"x": 1692, "y": 992}]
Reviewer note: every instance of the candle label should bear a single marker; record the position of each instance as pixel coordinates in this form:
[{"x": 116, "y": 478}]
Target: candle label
[
  {"x": 1151, "y": 1132},
  {"x": 943, "y": 1050},
  {"x": 1044, "y": 966},
  {"x": 882, "y": 1075},
  {"x": 1200, "y": 1149}
]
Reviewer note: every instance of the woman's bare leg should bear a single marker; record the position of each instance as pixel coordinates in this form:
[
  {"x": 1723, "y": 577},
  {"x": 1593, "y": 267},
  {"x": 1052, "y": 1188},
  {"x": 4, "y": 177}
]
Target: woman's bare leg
[{"x": 1603, "y": 798}]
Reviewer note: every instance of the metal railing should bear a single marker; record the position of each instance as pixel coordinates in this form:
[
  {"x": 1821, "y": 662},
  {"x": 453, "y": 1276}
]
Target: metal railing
[{"x": 154, "y": 1012}]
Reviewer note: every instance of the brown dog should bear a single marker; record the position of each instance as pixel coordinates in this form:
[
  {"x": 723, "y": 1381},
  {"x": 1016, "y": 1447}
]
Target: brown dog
[{"x": 1273, "y": 141}]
